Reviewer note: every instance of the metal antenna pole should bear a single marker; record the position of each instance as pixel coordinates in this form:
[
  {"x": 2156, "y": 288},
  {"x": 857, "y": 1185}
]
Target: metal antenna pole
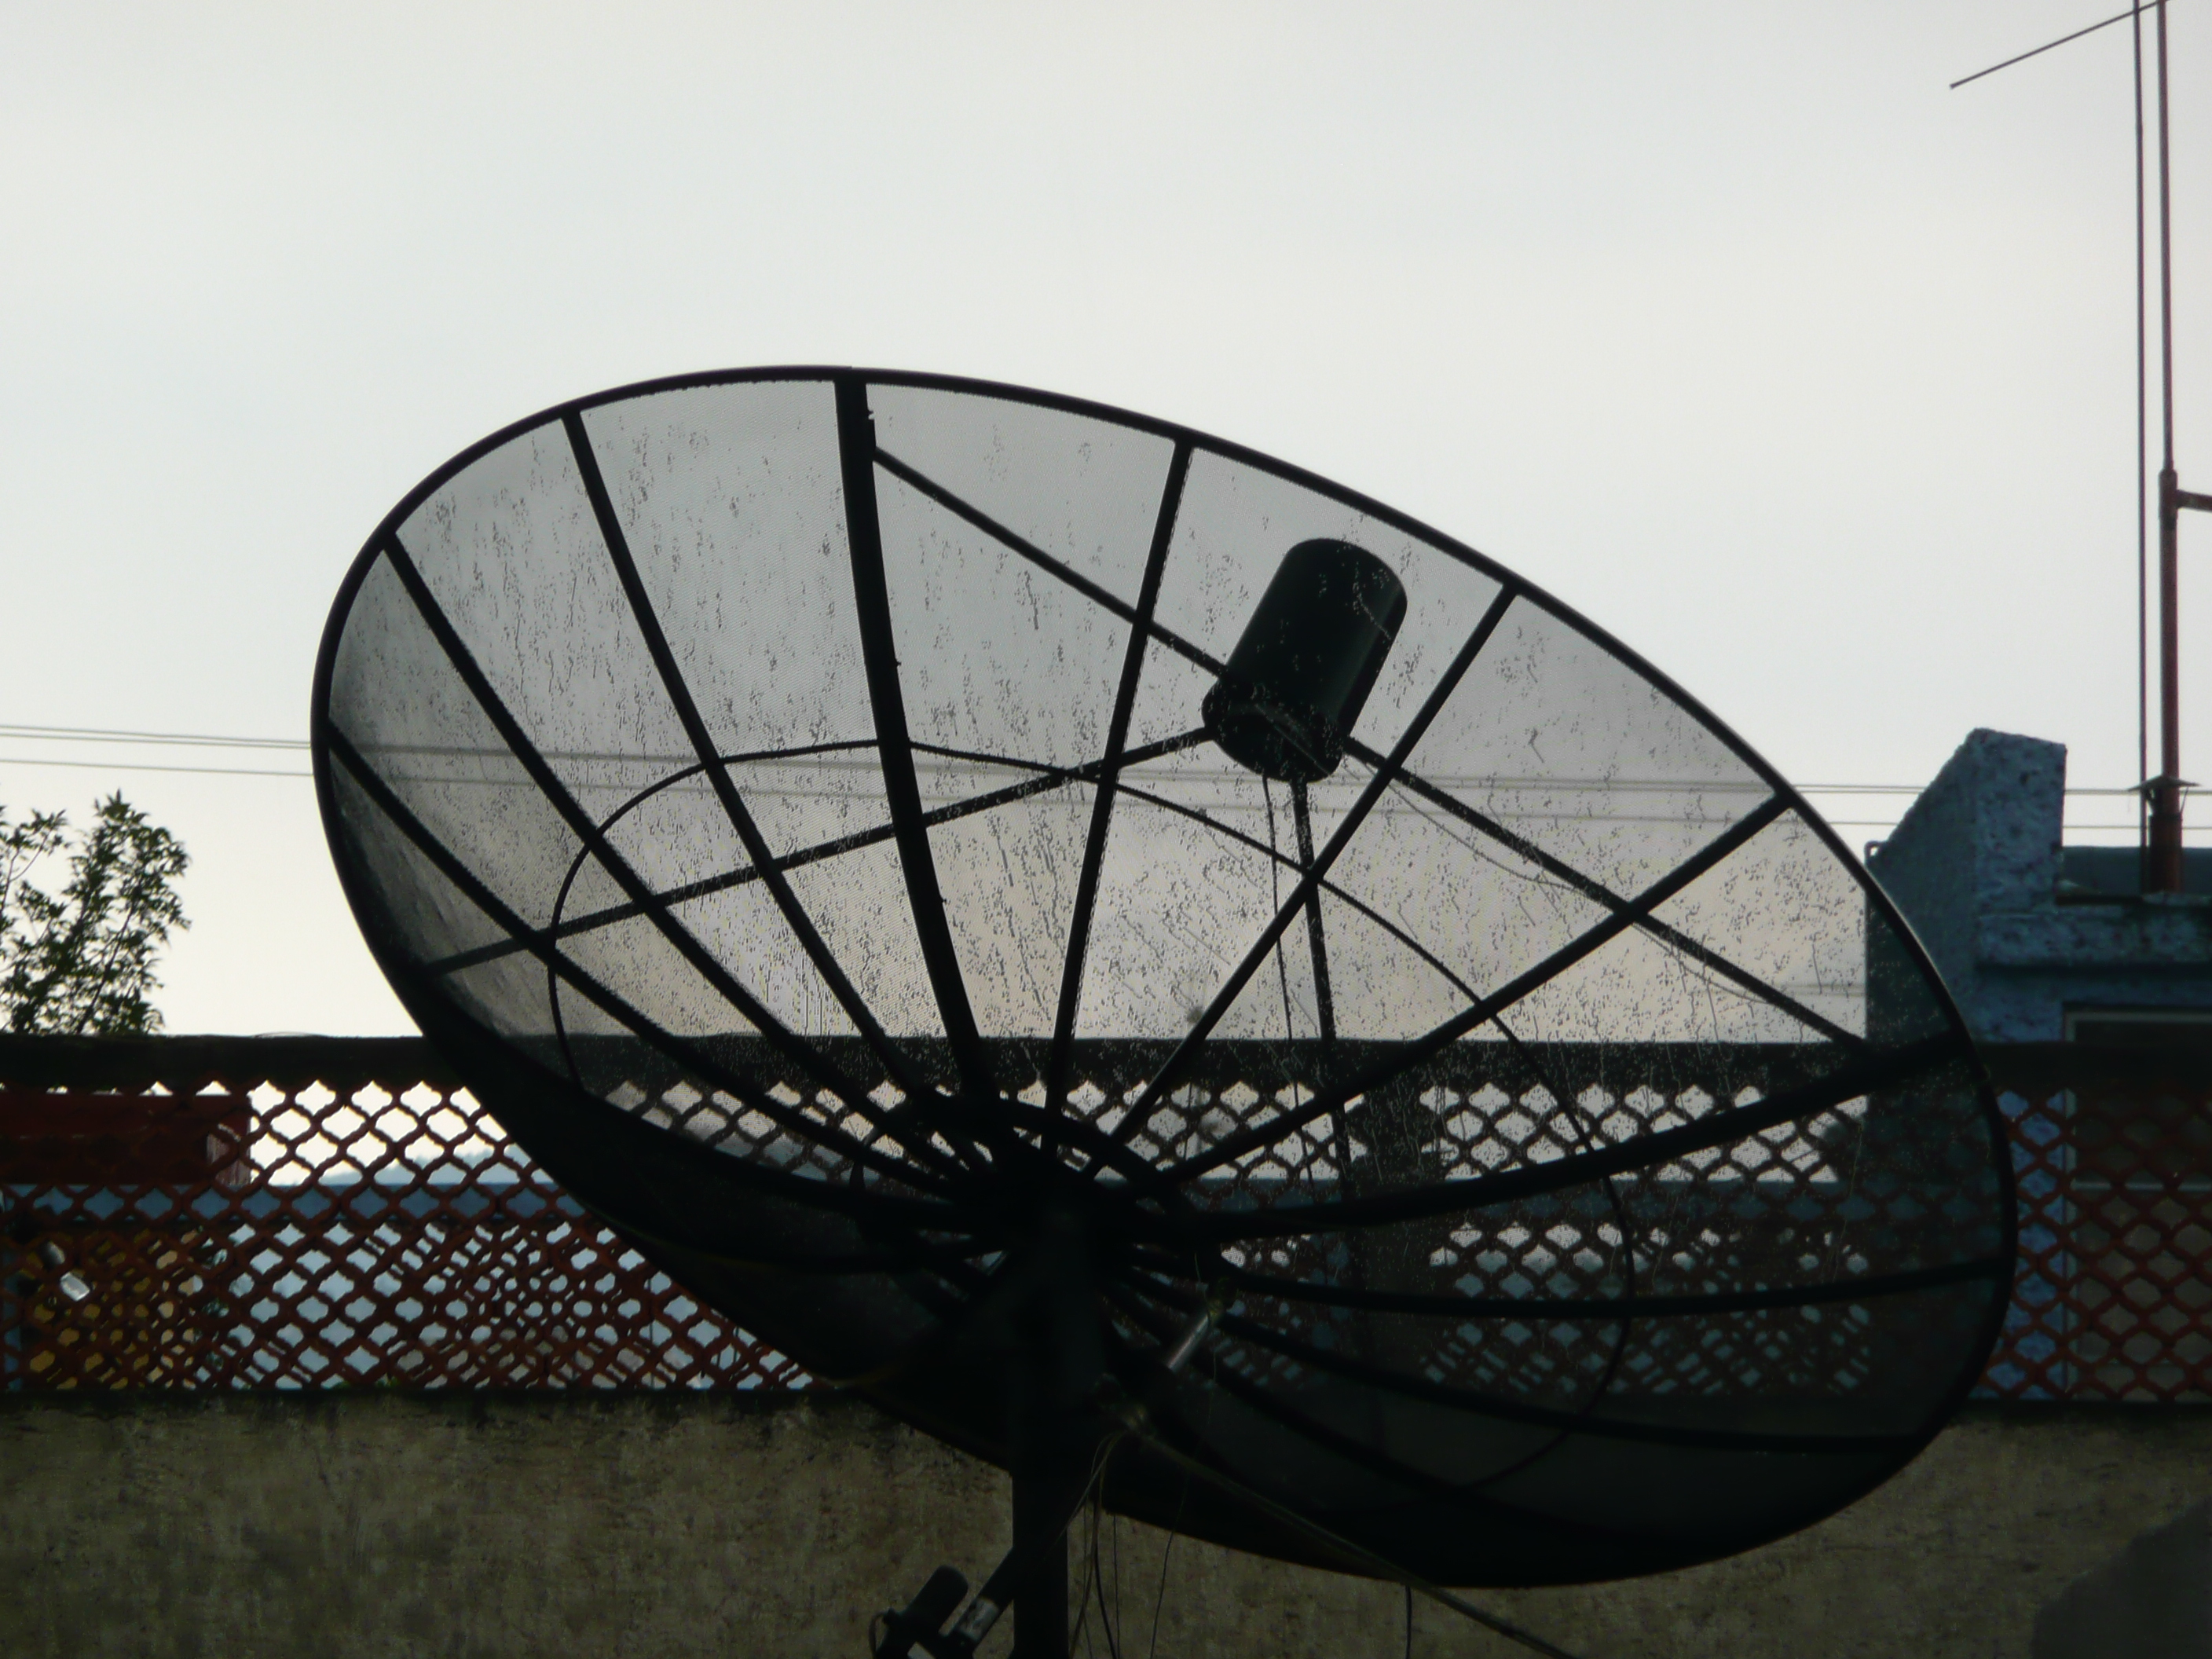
[
  {"x": 2166, "y": 787},
  {"x": 2142, "y": 470},
  {"x": 2162, "y": 793}
]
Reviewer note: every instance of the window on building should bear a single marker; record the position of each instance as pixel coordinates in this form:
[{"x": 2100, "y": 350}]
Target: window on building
[{"x": 2187, "y": 1028}]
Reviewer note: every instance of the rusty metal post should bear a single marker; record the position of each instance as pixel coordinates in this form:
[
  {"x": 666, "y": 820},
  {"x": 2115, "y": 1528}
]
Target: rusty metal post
[{"x": 2165, "y": 863}]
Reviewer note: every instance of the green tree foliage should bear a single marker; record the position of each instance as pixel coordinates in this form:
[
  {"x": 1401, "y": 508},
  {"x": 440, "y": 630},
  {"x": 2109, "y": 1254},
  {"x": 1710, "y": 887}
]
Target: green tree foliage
[{"x": 81, "y": 961}]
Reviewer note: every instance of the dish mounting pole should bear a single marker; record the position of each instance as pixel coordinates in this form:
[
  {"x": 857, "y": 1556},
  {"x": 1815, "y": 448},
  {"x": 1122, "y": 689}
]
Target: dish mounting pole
[
  {"x": 1042, "y": 1513},
  {"x": 1054, "y": 1368}
]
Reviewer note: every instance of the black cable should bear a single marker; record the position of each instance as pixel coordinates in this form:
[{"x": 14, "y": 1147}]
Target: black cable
[
  {"x": 1109, "y": 1621},
  {"x": 1160, "y": 1596},
  {"x": 1206, "y": 1431},
  {"x": 1116, "y": 1524},
  {"x": 1098, "y": 1579},
  {"x": 1085, "y": 1591},
  {"x": 1093, "y": 1585},
  {"x": 1228, "y": 1485},
  {"x": 1087, "y": 1549},
  {"x": 1275, "y": 891}
]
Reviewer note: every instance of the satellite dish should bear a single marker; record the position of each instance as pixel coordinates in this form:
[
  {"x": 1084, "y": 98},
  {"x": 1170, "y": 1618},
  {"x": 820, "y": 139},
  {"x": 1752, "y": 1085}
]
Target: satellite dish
[{"x": 1090, "y": 935}]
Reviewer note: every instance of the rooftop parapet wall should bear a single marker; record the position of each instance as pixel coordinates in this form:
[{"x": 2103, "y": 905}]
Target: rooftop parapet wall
[
  {"x": 1978, "y": 868},
  {"x": 1981, "y": 840}
]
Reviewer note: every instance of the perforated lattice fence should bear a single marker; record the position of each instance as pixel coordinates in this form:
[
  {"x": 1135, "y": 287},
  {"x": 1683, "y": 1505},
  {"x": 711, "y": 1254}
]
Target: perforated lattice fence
[
  {"x": 318, "y": 1215},
  {"x": 305, "y": 1214},
  {"x": 2113, "y": 1297}
]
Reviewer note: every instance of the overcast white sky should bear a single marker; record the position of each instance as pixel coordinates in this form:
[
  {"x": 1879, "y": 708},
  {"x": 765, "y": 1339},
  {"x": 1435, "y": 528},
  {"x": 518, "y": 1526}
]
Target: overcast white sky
[{"x": 1726, "y": 322}]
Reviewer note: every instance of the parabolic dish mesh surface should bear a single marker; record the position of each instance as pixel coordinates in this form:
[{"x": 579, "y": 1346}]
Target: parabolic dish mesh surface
[{"x": 785, "y": 797}]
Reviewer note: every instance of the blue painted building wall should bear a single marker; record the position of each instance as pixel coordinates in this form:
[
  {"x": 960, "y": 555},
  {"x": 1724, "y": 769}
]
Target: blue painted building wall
[{"x": 2025, "y": 929}]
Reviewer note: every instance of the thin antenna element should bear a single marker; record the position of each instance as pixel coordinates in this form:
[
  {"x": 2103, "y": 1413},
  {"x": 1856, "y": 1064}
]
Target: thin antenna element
[
  {"x": 2121, "y": 18},
  {"x": 2142, "y": 477}
]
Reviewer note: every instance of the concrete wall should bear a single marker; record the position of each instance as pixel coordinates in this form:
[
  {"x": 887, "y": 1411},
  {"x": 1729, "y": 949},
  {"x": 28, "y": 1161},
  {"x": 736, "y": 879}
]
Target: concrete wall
[
  {"x": 374, "y": 1523},
  {"x": 2152, "y": 1600},
  {"x": 1975, "y": 865},
  {"x": 1982, "y": 839}
]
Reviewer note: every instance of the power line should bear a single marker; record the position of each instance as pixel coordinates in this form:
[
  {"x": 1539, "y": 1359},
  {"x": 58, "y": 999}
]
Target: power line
[
  {"x": 108, "y": 735},
  {"x": 149, "y": 766},
  {"x": 104, "y": 734}
]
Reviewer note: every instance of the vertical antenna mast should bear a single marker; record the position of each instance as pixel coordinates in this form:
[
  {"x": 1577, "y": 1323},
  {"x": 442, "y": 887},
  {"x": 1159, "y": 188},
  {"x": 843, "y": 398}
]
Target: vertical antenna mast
[
  {"x": 2164, "y": 789},
  {"x": 2162, "y": 794},
  {"x": 2142, "y": 474}
]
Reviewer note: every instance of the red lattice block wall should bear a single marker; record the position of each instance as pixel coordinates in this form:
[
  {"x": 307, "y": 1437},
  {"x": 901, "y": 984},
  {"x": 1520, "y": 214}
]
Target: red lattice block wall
[
  {"x": 248, "y": 1213},
  {"x": 345, "y": 1226},
  {"x": 2113, "y": 1158}
]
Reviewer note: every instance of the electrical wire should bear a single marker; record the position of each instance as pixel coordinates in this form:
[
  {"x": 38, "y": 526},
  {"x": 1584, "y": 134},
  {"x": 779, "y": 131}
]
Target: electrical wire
[
  {"x": 1275, "y": 893},
  {"x": 1115, "y": 1522},
  {"x": 1615, "y": 786},
  {"x": 148, "y": 766},
  {"x": 1160, "y": 1596},
  {"x": 1106, "y": 1620},
  {"x": 1336, "y": 1544},
  {"x": 1183, "y": 1499},
  {"x": 1093, "y": 1504},
  {"x": 16, "y": 731},
  {"x": 108, "y": 734},
  {"x": 841, "y": 794}
]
